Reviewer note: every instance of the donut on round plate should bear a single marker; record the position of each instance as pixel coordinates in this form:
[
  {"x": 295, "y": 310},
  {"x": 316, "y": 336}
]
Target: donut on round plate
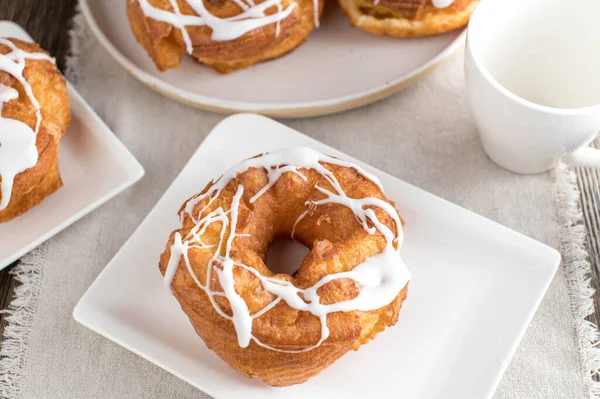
[
  {"x": 279, "y": 328},
  {"x": 222, "y": 34},
  {"x": 406, "y": 18},
  {"x": 34, "y": 115}
]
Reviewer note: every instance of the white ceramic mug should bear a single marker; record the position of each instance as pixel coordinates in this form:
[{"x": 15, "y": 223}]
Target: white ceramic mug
[{"x": 532, "y": 74}]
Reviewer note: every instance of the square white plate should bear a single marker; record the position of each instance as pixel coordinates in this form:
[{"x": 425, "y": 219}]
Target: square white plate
[
  {"x": 457, "y": 330},
  {"x": 94, "y": 166}
]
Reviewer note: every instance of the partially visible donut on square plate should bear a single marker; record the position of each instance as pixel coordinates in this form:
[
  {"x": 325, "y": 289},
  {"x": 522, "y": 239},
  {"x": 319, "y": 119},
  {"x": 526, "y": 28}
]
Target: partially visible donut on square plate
[{"x": 34, "y": 115}]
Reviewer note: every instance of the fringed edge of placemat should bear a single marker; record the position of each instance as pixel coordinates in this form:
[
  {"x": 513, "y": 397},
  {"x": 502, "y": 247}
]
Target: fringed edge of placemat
[
  {"x": 20, "y": 316},
  {"x": 78, "y": 41},
  {"x": 577, "y": 269}
]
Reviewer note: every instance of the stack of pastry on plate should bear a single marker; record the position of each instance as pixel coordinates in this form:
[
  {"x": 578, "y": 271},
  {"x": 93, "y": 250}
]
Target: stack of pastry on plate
[{"x": 232, "y": 34}]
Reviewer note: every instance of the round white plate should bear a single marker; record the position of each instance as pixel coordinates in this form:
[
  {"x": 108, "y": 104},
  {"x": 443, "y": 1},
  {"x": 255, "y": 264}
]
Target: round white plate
[{"x": 338, "y": 68}]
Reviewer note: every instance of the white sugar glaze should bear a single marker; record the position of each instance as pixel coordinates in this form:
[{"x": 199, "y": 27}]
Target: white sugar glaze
[
  {"x": 252, "y": 16},
  {"x": 17, "y": 140},
  {"x": 442, "y": 3},
  {"x": 381, "y": 277}
]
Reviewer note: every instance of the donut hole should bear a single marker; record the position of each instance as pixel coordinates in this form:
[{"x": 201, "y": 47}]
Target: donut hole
[{"x": 285, "y": 256}]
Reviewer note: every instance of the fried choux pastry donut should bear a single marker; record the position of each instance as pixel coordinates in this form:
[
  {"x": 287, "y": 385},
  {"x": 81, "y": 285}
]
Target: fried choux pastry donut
[
  {"x": 284, "y": 329},
  {"x": 222, "y": 34},
  {"x": 406, "y": 18},
  {"x": 34, "y": 115}
]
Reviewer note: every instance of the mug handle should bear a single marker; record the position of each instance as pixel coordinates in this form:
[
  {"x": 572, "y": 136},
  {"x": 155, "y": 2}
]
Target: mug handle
[{"x": 586, "y": 157}]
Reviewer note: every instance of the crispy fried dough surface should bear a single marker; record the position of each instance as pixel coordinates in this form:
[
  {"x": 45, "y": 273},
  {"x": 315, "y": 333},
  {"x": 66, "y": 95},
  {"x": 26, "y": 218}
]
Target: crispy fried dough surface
[{"x": 337, "y": 243}]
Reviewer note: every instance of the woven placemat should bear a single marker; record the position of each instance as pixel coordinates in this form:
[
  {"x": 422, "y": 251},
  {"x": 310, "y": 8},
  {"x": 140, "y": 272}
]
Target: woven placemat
[{"x": 424, "y": 135}]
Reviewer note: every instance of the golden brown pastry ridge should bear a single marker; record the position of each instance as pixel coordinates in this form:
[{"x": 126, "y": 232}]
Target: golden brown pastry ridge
[
  {"x": 337, "y": 243},
  {"x": 407, "y": 18},
  {"x": 49, "y": 88},
  {"x": 164, "y": 43}
]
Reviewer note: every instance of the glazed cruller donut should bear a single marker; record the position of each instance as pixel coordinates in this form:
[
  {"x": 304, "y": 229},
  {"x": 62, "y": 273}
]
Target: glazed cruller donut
[
  {"x": 279, "y": 328},
  {"x": 222, "y": 34}
]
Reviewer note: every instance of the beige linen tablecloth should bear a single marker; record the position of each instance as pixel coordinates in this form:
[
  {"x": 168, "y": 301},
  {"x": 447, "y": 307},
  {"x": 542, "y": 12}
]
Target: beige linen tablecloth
[{"x": 423, "y": 135}]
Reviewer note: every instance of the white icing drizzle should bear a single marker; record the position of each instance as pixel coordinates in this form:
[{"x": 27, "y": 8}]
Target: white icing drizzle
[
  {"x": 381, "y": 277},
  {"x": 17, "y": 140},
  {"x": 442, "y": 3},
  {"x": 253, "y": 16}
]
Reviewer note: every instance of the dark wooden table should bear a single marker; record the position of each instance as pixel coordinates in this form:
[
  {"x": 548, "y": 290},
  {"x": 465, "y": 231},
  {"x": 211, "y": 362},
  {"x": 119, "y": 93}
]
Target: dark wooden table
[{"x": 48, "y": 21}]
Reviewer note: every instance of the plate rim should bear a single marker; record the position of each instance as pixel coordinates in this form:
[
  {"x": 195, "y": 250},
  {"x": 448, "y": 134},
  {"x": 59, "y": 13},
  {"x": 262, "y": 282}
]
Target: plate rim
[
  {"x": 297, "y": 110},
  {"x": 553, "y": 255},
  {"x": 134, "y": 170}
]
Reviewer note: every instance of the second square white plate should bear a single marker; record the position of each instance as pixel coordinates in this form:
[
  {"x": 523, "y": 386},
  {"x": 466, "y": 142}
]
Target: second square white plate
[
  {"x": 457, "y": 330},
  {"x": 94, "y": 165}
]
